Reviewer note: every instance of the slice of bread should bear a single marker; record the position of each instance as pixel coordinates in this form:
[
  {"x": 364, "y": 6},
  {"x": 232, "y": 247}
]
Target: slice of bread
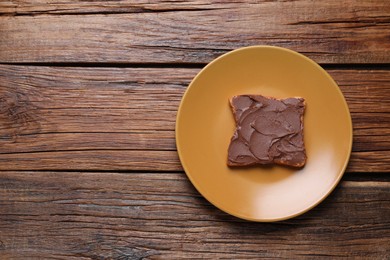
[{"x": 268, "y": 131}]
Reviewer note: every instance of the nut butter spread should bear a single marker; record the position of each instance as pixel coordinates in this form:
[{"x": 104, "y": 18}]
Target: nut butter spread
[{"x": 268, "y": 130}]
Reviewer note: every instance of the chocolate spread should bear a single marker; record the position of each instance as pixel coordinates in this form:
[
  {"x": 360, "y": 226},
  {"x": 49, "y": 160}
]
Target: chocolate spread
[{"x": 268, "y": 131}]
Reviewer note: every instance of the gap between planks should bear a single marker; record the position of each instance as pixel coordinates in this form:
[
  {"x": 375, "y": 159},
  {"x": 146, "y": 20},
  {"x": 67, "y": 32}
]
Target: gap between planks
[{"x": 326, "y": 66}]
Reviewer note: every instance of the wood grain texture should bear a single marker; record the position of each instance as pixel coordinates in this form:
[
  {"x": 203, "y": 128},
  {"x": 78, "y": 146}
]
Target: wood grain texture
[
  {"x": 69, "y": 118},
  {"x": 144, "y": 160},
  {"x": 37, "y": 7},
  {"x": 56, "y": 121},
  {"x": 66, "y": 215},
  {"x": 191, "y": 32}
]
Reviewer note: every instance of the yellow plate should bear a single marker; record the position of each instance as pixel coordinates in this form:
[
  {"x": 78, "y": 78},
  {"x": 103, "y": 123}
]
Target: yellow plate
[{"x": 205, "y": 125}]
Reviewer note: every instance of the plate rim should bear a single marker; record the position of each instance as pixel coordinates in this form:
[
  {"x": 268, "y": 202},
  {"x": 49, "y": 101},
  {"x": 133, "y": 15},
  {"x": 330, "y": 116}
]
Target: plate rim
[{"x": 186, "y": 169}]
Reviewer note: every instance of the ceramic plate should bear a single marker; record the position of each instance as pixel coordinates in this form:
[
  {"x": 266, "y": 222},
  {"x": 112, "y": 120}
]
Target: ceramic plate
[{"x": 205, "y": 125}]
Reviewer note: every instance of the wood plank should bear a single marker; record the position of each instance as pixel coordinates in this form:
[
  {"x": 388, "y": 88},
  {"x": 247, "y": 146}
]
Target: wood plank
[
  {"x": 371, "y": 161},
  {"x": 105, "y": 118},
  {"x": 74, "y": 141},
  {"x": 23, "y": 7},
  {"x": 69, "y": 215},
  {"x": 146, "y": 160},
  {"x": 364, "y": 140},
  {"x": 371, "y": 130},
  {"x": 123, "y": 159},
  {"x": 28, "y": 7},
  {"x": 194, "y": 32},
  {"x": 129, "y": 88},
  {"x": 364, "y": 90}
]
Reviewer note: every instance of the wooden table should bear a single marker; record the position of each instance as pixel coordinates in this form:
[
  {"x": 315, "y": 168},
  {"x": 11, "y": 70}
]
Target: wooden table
[{"x": 89, "y": 92}]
